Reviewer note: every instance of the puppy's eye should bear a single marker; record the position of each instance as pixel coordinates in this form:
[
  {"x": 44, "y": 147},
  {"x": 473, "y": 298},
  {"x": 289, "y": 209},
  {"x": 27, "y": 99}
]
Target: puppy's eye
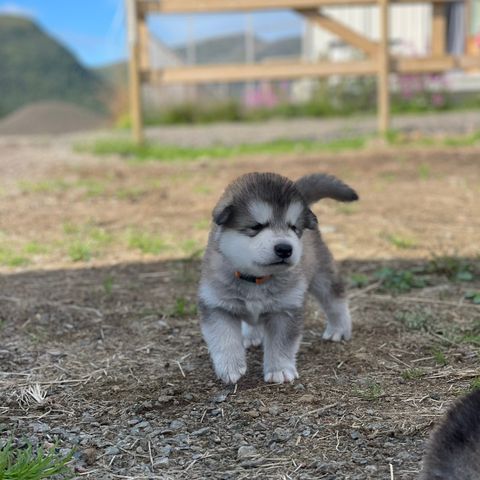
[
  {"x": 294, "y": 228},
  {"x": 257, "y": 227}
]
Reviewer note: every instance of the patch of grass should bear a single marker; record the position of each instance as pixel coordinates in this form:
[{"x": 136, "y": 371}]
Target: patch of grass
[
  {"x": 85, "y": 241},
  {"x": 35, "y": 248},
  {"x": 70, "y": 228},
  {"x": 346, "y": 209},
  {"x": 439, "y": 357},
  {"x": 413, "y": 374},
  {"x": 91, "y": 187},
  {"x": 191, "y": 247},
  {"x": 29, "y": 464},
  {"x": 388, "y": 176},
  {"x": 183, "y": 308},
  {"x": 44, "y": 186},
  {"x": 204, "y": 189},
  {"x": 397, "y": 138},
  {"x": 100, "y": 236},
  {"x": 359, "y": 280},
  {"x": 372, "y": 392},
  {"x": 147, "y": 243},
  {"x": 454, "y": 268},
  {"x": 462, "y": 140},
  {"x": 79, "y": 251},
  {"x": 400, "y": 281},
  {"x": 415, "y": 320},
  {"x": 401, "y": 242},
  {"x": 171, "y": 153},
  {"x": 202, "y": 224},
  {"x": 10, "y": 258},
  {"x": 475, "y": 384},
  {"x": 108, "y": 285},
  {"x": 424, "y": 171},
  {"x": 473, "y": 296},
  {"x": 131, "y": 194},
  {"x": 469, "y": 334}
]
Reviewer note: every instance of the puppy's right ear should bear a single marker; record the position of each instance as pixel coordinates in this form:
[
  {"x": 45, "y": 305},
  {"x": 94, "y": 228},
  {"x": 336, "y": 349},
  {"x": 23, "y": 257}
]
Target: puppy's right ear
[{"x": 222, "y": 213}]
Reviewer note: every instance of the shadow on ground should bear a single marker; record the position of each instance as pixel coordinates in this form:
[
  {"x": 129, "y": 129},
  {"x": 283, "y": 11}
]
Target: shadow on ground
[{"x": 117, "y": 353}]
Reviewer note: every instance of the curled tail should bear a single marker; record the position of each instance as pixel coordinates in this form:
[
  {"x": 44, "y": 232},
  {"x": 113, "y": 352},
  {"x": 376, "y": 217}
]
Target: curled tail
[{"x": 319, "y": 185}]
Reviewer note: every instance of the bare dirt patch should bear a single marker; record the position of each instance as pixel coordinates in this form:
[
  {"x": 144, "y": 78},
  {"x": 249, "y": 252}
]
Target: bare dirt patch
[{"x": 113, "y": 341}]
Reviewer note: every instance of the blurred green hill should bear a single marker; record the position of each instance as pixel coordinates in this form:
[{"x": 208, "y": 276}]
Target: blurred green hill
[{"x": 34, "y": 66}]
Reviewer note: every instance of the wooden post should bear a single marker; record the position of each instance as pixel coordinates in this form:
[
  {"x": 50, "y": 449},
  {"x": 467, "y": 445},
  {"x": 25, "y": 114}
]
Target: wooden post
[
  {"x": 439, "y": 30},
  {"x": 144, "y": 43},
  {"x": 135, "y": 86},
  {"x": 383, "y": 70}
]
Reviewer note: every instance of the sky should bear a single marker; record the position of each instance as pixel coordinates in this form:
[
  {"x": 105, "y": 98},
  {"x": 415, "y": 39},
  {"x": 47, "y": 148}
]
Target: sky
[{"x": 94, "y": 30}]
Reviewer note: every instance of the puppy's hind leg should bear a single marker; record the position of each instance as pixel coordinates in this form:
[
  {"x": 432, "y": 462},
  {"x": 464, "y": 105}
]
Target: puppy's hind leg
[
  {"x": 329, "y": 290},
  {"x": 252, "y": 334}
]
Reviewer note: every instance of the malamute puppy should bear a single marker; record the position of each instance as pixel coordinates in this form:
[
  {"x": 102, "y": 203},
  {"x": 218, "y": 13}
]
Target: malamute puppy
[
  {"x": 264, "y": 254},
  {"x": 454, "y": 449}
]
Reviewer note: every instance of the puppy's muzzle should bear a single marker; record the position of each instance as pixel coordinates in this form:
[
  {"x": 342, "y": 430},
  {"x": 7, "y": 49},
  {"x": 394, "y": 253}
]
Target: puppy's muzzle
[{"x": 283, "y": 250}]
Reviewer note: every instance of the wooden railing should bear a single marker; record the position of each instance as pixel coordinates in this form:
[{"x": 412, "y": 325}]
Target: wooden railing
[{"x": 378, "y": 61}]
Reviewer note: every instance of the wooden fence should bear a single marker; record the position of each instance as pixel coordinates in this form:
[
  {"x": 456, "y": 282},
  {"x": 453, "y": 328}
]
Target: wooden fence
[{"x": 378, "y": 60}]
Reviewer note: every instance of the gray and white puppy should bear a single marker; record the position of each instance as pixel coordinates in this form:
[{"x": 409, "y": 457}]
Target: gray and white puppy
[
  {"x": 264, "y": 254},
  {"x": 454, "y": 449}
]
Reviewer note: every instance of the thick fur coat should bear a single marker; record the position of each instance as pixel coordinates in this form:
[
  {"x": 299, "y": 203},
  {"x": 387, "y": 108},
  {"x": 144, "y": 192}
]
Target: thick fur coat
[{"x": 264, "y": 254}]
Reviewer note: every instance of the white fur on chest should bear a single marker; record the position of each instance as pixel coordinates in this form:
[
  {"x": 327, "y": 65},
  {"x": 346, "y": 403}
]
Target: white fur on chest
[
  {"x": 257, "y": 302},
  {"x": 255, "y": 308}
]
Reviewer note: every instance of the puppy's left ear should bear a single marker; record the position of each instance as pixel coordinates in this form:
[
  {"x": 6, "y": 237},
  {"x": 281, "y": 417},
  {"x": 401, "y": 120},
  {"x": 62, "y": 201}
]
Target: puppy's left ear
[
  {"x": 222, "y": 213},
  {"x": 311, "y": 221}
]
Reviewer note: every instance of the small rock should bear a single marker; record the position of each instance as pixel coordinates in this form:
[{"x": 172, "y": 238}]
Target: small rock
[
  {"x": 281, "y": 435},
  {"x": 307, "y": 398},
  {"x": 143, "y": 424},
  {"x": 201, "y": 431},
  {"x": 134, "y": 421},
  {"x": 162, "y": 462},
  {"x": 166, "y": 451},
  {"x": 40, "y": 427},
  {"x": 90, "y": 455},
  {"x": 177, "y": 425},
  {"x": 164, "y": 398},
  {"x": 371, "y": 469},
  {"x": 254, "y": 462},
  {"x": 112, "y": 451},
  {"x": 274, "y": 410},
  {"x": 221, "y": 397},
  {"x": 246, "y": 451},
  {"x": 355, "y": 435},
  {"x": 252, "y": 413}
]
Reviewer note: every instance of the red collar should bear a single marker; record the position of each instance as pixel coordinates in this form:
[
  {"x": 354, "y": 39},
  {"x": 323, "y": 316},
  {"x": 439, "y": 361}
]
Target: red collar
[{"x": 252, "y": 279}]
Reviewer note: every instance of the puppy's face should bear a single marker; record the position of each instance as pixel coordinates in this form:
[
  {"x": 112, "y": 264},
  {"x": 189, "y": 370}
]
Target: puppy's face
[{"x": 262, "y": 224}]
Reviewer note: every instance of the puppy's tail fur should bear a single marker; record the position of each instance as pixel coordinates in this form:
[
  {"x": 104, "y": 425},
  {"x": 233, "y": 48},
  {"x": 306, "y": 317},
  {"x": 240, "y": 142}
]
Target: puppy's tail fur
[{"x": 319, "y": 185}]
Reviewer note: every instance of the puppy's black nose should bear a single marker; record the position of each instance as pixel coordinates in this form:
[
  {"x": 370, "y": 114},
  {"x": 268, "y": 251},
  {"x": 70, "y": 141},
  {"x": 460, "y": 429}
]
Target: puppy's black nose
[{"x": 283, "y": 250}]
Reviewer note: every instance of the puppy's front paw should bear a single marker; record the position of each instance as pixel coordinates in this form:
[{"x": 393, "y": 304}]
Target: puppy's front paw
[
  {"x": 230, "y": 369},
  {"x": 252, "y": 336},
  {"x": 337, "y": 333},
  {"x": 285, "y": 375}
]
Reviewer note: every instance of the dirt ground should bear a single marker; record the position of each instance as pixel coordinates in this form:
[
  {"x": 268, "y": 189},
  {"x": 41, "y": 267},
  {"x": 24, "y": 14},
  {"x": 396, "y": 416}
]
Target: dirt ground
[{"x": 100, "y": 347}]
